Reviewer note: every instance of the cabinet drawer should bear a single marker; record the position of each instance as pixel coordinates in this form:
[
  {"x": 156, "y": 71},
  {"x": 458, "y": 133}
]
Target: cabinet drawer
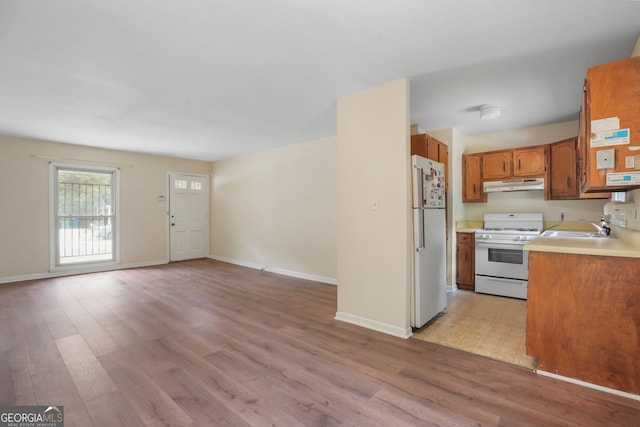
[{"x": 464, "y": 237}]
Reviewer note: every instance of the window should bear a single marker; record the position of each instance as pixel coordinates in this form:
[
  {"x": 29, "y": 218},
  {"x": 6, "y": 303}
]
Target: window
[{"x": 83, "y": 216}]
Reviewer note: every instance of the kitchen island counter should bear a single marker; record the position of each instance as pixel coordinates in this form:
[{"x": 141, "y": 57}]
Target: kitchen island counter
[
  {"x": 583, "y": 310},
  {"x": 614, "y": 247}
]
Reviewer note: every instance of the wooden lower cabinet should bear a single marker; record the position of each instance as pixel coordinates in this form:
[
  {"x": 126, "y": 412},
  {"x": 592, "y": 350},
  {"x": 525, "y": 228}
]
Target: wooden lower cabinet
[
  {"x": 465, "y": 261},
  {"x": 583, "y": 318}
]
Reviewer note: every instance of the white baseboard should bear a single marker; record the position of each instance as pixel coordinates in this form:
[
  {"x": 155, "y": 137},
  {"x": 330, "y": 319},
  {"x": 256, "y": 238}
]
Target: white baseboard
[
  {"x": 110, "y": 267},
  {"x": 284, "y": 272},
  {"x": 374, "y": 325},
  {"x": 590, "y": 385}
]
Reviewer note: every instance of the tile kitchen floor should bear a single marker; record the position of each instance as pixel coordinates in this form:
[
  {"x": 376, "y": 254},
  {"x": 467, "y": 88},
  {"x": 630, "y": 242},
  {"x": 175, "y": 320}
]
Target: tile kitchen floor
[{"x": 487, "y": 325}]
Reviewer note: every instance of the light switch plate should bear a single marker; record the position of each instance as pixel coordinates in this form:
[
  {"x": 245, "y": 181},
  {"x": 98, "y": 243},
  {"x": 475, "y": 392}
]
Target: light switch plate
[{"x": 605, "y": 159}]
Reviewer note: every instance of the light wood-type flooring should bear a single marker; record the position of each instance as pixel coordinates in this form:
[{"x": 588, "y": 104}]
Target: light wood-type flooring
[
  {"x": 487, "y": 325},
  {"x": 204, "y": 343}
]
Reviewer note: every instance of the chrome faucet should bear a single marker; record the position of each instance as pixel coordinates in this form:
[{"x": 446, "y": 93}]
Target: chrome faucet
[{"x": 603, "y": 229}]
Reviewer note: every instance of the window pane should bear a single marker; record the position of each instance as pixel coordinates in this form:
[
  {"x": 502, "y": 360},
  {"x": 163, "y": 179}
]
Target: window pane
[
  {"x": 196, "y": 185},
  {"x": 84, "y": 216}
]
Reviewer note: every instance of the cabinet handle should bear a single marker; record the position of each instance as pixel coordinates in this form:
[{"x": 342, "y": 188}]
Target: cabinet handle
[
  {"x": 504, "y": 166},
  {"x": 466, "y": 256},
  {"x": 474, "y": 188},
  {"x": 518, "y": 164},
  {"x": 568, "y": 182}
]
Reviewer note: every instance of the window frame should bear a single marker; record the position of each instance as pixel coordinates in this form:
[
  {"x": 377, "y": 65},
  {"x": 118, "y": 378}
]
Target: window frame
[{"x": 54, "y": 256}]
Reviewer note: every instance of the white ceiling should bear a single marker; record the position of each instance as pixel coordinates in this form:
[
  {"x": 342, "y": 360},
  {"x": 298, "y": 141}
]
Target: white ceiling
[{"x": 210, "y": 79}]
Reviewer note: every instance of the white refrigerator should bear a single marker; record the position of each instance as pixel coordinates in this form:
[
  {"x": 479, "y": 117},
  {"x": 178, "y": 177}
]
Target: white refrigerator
[{"x": 429, "y": 296}]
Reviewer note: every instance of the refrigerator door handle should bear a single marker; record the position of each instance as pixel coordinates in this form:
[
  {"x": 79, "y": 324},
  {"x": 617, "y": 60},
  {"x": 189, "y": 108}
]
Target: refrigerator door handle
[
  {"x": 420, "y": 184},
  {"x": 421, "y": 243}
]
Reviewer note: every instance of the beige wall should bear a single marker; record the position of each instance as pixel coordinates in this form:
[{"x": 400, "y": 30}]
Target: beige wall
[
  {"x": 527, "y": 201},
  {"x": 374, "y": 255},
  {"x": 24, "y": 191},
  {"x": 277, "y": 210}
]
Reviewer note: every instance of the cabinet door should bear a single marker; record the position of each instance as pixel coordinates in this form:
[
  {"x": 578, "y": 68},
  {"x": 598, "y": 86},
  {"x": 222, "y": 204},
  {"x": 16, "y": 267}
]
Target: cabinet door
[
  {"x": 496, "y": 165},
  {"x": 612, "y": 90},
  {"x": 530, "y": 161},
  {"x": 443, "y": 153},
  {"x": 563, "y": 174},
  {"x": 433, "y": 149},
  {"x": 419, "y": 145},
  {"x": 582, "y": 150},
  {"x": 472, "y": 178},
  {"x": 465, "y": 261}
]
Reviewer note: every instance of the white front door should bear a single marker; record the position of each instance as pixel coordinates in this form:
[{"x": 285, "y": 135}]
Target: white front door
[{"x": 188, "y": 216}]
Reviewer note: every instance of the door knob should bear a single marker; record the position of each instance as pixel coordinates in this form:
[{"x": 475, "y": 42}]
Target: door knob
[{"x": 173, "y": 224}]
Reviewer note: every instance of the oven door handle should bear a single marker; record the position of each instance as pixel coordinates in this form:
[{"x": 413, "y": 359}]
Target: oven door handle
[
  {"x": 501, "y": 244},
  {"x": 500, "y": 279}
]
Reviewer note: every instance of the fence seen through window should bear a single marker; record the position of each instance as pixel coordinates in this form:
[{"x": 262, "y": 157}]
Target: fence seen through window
[{"x": 85, "y": 217}]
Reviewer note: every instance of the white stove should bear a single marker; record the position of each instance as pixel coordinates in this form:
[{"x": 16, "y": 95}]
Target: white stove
[
  {"x": 513, "y": 223},
  {"x": 502, "y": 266}
]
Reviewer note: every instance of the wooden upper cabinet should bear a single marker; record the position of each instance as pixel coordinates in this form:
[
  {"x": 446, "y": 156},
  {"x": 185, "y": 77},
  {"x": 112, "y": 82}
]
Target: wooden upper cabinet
[
  {"x": 472, "y": 178},
  {"x": 582, "y": 143},
  {"x": 563, "y": 174},
  {"x": 496, "y": 165},
  {"x": 433, "y": 149},
  {"x": 427, "y": 146},
  {"x": 443, "y": 153},
  {"x": 530, "y": 161},
  {"x": 611, "y": 90},
  {"x": 419, "y": 145}
]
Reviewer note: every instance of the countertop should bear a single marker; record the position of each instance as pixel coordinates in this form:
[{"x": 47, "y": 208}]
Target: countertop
[
  {"x": 615, "y": 247},
  {"x": 466, "y": 230},
  {"x": 625, "y": 243}
]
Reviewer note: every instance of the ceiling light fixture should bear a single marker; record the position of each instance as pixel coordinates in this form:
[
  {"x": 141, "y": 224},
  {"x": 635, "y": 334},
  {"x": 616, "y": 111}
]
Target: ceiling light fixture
[{"x": 488, "y": 112}]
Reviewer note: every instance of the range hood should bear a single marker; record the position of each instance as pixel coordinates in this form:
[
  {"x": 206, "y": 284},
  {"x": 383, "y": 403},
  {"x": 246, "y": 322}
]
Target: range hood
[{"x": 513, "y": 185}]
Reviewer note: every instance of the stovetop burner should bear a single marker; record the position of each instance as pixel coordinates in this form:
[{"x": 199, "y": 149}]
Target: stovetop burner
[
  {"x": 513, "y": 223},
  {"x": 487, "y": 233},
  {"x": 508, "y": 229}
]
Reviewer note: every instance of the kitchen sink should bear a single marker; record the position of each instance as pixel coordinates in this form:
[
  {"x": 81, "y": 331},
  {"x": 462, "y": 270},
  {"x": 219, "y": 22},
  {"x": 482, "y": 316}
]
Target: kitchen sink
[{"x": 573, "y": 234}]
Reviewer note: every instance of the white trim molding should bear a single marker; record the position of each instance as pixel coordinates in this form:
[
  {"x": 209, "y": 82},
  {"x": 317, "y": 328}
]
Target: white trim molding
[
  {"x": 276, "y": 270},
  {"x": 590, "y": 385},
  {"x": 76, "y": 271},
  {"x": 374, "y": 325}
]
